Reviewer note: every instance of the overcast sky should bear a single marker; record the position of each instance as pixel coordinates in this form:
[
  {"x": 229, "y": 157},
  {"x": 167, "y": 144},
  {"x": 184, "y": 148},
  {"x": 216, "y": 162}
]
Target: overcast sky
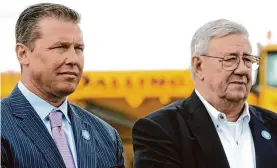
[{"x": 142, "y": 34}]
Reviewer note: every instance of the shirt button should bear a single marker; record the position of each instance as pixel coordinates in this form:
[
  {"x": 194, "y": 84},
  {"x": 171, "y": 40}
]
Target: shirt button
[
  {"x": 221, "y": 116},
  {"x": 218, "y": 128}
]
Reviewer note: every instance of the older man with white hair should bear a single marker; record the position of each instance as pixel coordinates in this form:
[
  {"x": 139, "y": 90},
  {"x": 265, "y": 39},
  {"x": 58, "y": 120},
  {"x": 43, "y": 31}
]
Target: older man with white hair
[{"x": 215, "y": 127}]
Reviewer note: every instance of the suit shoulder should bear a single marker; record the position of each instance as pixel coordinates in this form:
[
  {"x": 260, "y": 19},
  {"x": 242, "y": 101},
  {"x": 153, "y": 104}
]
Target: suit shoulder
[
  {"x": 164, "y": 118},
  {"x": 265, "y": 112},
  {"x": 93, "y": 120},
  {"x": 162, "y": 122},
  {"x": 166, "y": 111},
  {"x": 5, "y": 107},
  {"x": 4, "y": 102}
]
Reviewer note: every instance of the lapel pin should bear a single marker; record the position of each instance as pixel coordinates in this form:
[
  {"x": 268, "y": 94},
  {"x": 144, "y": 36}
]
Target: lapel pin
[
  {"x": 85, "y": 134},
  {"x": 266, "y": 135}
]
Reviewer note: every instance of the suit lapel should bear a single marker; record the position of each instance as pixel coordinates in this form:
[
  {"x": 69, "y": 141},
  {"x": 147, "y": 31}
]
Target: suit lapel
[
  {"x": 84, "y": 139},
  {"x": 265, "y": 149},
  {"x": 202, "y": 128},
  {"x": 31, "y": 124}
]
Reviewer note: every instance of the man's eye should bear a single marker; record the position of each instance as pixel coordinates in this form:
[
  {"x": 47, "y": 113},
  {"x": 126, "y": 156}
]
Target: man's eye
[
  {"x": 248, "y": 59},
  {"x": 230, "y": 58},
  {"x": 79, "y": 48},
  {"x": 59, "y": 47}
]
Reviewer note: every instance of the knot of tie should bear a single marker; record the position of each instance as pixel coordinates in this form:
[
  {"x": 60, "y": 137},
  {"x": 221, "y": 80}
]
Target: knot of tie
[{"x": 56, "y": 119}]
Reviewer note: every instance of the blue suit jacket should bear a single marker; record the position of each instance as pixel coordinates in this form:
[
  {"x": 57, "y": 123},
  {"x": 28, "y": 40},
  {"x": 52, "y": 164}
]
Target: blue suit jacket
[{"x": 26, "y": 142}]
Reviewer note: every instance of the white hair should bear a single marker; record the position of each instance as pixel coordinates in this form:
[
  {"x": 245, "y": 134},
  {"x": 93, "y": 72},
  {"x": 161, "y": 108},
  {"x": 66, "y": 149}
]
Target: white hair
[{"x": 213, "y": 29}]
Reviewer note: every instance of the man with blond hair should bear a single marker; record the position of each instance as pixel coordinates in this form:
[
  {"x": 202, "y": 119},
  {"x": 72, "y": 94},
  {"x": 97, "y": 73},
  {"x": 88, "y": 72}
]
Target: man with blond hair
[{"x": 40, "y": 128}]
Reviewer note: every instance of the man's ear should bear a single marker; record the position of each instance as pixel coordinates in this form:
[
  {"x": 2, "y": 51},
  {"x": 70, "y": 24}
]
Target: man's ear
[
  {"x": 197, "y": 64},
  {"x": 22, "y": 53}
]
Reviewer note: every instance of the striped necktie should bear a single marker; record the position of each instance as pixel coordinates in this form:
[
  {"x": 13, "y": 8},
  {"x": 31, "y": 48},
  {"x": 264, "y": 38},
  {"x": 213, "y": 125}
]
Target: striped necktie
[{"x": 60, "y": 139}]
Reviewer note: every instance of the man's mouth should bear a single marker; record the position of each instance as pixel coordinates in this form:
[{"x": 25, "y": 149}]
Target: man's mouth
[
  {"x": 239, "y": 82},
  {"x": 70, "y": 73}
]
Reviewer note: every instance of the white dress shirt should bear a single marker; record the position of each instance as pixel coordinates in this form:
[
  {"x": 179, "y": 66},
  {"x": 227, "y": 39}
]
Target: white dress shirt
[
  {"x": 236, "y": 137},
  {"x": 43, "y": 109}
]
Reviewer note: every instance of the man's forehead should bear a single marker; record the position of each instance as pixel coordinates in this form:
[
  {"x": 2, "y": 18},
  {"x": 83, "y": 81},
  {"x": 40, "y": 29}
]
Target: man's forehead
[
  {"x": 56, "y": 27},
  {"x": 230, "y": 42},
  {"x": 237, "y": 50},
  {"x": 240, "y": 49},
  {"x": 61, "y": 40}
]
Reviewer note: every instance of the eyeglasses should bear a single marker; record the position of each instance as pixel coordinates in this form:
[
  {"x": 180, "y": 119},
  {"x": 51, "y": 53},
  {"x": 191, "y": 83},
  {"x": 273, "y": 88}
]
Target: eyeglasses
[{"x": 231, "y": 62}]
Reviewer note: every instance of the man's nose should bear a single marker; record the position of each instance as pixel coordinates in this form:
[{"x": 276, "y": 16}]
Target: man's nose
[
  {"x": 242, "y": 69},
  {"x": 71, "y": 56}
]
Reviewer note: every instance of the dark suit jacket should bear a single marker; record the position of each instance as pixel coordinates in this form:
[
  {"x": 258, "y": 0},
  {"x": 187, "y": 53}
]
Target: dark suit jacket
[
  {"x": 26, "y": 142},
  {"x": 182, "y": 135}
]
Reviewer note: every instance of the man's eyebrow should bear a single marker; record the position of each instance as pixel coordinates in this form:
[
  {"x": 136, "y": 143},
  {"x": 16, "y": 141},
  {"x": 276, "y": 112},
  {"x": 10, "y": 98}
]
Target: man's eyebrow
[
  {"x": 232, "y": 53},
  {"x": 66, "y": 43},
  {"x": 237, "y": 54},
  {"x": 246, "y": 54},
  {"x": 61, "y": 43}
]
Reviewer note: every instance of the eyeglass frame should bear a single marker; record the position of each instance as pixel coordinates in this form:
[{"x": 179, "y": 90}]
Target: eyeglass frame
[{"x": 238, "y": 62}]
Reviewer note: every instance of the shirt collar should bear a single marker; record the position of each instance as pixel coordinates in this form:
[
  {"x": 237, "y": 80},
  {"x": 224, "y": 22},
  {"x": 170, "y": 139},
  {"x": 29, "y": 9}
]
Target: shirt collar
[
  {"x": 42, "y": 107},
  {"x": 217, "y": 115}
]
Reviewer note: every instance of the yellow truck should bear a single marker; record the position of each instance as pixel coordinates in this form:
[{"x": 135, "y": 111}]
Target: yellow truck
[
  {"x": 264, "y": 90},
  {"x": 121, "y": 97}
]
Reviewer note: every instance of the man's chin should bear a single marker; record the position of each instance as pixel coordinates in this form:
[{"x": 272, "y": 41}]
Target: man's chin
[
  {"x": 66, "y": 90},
  {"x": 236, "y": 97}
]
